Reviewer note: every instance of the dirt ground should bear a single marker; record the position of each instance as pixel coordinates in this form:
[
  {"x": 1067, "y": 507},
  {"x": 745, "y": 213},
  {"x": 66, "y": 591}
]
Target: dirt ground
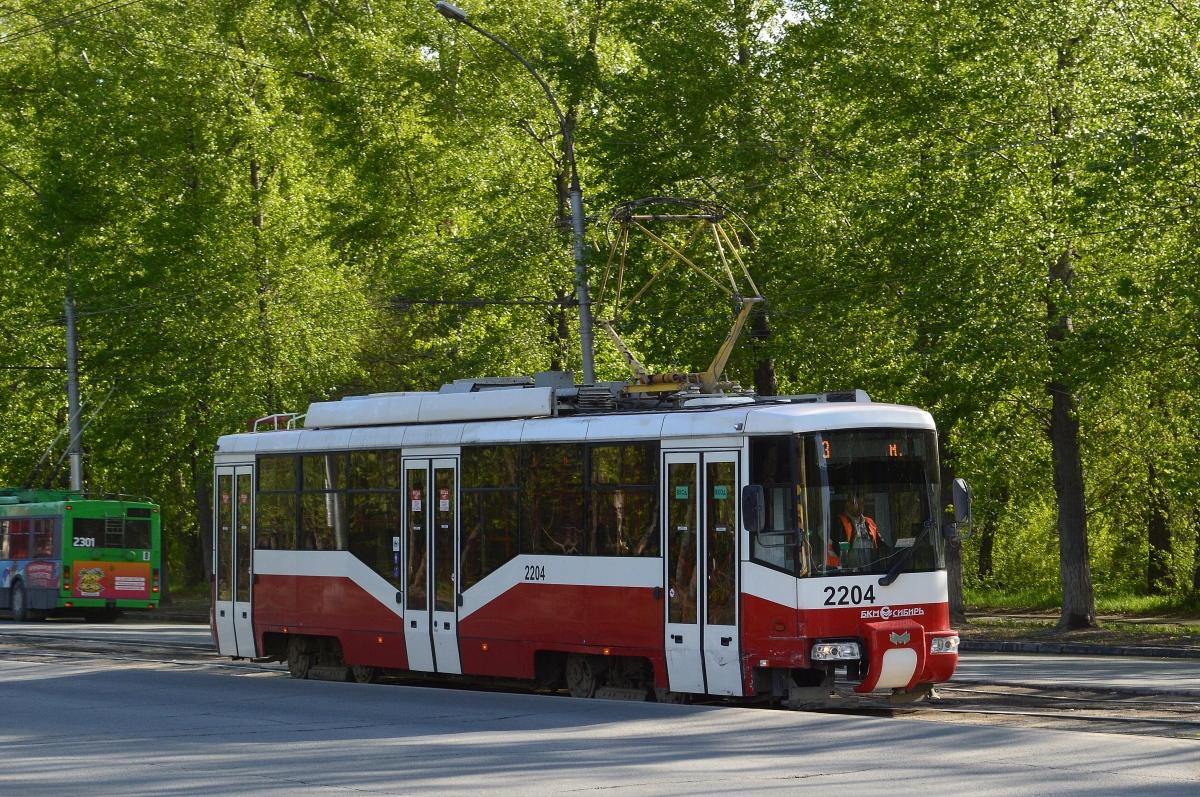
[{"x": 1112, "y": 630}]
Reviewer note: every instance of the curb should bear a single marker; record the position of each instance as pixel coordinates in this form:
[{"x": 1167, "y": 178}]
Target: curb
[{"x": 1080, "y": 648}]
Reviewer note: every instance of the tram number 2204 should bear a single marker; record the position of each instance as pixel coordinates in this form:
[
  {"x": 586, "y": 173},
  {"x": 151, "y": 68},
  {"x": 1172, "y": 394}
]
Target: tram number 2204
[
  {"x": 849, "y": 596},
  {"x": 535, "y": 572}
]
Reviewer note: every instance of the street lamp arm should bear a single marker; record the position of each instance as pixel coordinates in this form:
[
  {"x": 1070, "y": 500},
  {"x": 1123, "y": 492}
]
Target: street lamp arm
[
  {"x": 456, "y": 14},
  {"x": 562, "y": 120}
]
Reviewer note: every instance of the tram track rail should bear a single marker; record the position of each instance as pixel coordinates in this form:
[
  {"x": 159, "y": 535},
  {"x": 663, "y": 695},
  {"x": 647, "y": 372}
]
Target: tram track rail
[{"x": 1116, "y": 711}]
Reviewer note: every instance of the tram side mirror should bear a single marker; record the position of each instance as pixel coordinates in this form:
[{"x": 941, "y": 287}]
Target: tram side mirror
[
  {"x": 754, "y": 508},
  {"x": 962, "y": 507}
]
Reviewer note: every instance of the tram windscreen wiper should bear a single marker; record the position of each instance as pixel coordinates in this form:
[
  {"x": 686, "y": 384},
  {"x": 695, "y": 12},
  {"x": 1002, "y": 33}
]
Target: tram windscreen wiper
[{"x": 902, "y": 558}]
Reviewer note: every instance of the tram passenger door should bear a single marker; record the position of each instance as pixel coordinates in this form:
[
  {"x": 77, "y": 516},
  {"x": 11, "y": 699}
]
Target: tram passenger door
[
  {"x": 700, "y": 522},
  {"x": 431, "y": 565},
  {"x": 233, "y": 542}
]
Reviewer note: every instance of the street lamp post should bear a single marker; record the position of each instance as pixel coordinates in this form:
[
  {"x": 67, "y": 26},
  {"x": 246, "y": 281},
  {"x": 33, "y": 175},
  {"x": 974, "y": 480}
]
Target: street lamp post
[{"x": 456, "y": 14}]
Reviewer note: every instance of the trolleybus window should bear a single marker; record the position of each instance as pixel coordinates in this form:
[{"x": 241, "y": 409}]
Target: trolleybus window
[
  {"x": 16, "y": 539},
  {"x": 111, "y": 532}
]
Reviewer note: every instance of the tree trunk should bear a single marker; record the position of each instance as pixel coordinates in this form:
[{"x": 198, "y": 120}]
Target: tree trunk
[
  {"x": 954, "y": 572},
  {"x": 202, "y": 484},
  {"x": 1196, "y": 565},
  {"x": 765, "y": 380},
  {"x": 1158, "y": 533},
  {"x": 1078, "y": 605},
  {"x": 987, "y": 537},
  {"x": 1078, "y": 609}
]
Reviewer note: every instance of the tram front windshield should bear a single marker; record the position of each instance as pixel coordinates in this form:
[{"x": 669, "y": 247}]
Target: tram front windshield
[{"x": 849, "y": 502}]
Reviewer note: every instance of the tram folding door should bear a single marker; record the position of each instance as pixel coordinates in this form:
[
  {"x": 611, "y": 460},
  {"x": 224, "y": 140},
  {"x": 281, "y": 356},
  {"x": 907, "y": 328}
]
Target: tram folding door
[
  {"x": 233, "y": 542},
  {"x": 700, "y": 546},
  {"x": 431, "y": 565}
]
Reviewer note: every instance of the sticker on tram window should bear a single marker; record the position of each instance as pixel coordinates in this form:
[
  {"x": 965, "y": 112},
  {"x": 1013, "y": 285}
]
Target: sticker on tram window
[
  {"x": 849, "y": 596},
  {"x": 720, "y": 491},
  {"x": 85, "y": 542},
  {"x": 535, "y": 572},
  {"x": 681, "y": 492}
]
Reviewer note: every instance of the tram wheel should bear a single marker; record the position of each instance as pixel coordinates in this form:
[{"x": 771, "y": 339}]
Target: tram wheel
[
  {"x": 582, "y": 677},
  {"x": 363, "y": 674},
  {"x": 18, "y": 604},
  {"x": 299, "y": 660}
]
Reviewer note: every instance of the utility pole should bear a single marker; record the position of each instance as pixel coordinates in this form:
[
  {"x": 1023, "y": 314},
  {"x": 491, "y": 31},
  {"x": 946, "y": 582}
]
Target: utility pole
[{"x": 75, "y": 443}]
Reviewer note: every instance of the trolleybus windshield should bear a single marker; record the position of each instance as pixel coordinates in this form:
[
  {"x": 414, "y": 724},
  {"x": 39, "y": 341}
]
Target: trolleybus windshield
[{"x": 849, "y": 502}]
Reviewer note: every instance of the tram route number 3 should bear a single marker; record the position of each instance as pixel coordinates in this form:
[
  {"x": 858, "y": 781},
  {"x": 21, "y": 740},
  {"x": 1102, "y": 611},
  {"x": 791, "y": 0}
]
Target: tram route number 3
[
  {"x": 535, "y": 572},
  {"x": 849, "y": 596}
]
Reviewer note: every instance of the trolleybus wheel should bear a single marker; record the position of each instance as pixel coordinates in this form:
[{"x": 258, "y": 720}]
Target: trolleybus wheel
[
  {"x": 582, "y": 678},
  {"x": 17, "y": 603},
  {"x": 299, "y": 660},
  {"x": 363, "y": 674}
]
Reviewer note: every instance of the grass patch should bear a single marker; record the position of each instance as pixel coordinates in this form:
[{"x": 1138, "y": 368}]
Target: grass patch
[{"x": 1032, "y": 600}]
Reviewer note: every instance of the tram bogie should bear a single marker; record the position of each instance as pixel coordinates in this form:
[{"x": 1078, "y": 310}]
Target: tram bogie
[{"x": 785, "y": 550}]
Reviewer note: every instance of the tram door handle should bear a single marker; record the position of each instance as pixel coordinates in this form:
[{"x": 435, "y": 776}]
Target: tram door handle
[
  {"x": 677, "y": 639},
  {"x": 725, "y": 640}
]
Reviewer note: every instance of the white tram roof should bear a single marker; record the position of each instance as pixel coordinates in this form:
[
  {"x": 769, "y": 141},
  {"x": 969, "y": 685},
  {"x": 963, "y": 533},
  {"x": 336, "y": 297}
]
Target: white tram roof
[{"x": 733, "y": 420}]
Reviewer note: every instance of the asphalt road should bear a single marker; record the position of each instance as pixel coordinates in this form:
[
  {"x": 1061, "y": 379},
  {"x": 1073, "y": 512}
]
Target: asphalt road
[
  {"x": 83, "y": 725},
  {"x": 1174, "y": 676},
  {"x": 99, "y": 725}
]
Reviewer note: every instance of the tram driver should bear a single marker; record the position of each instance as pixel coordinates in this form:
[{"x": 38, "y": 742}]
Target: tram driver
[{"x": 854, "y": 540}]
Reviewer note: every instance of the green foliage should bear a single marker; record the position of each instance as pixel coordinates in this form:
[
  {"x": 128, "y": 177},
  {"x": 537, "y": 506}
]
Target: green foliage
[{"x": 260, "y": 204}]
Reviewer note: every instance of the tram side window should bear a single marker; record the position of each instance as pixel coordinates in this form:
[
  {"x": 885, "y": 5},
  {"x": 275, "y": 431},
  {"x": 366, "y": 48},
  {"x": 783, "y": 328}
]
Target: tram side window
[
  {"x": 552, "y": 499},
  {"x": 623, "y": 500},
  {"x": 276, "y": 473},
  {"x": 323, "y": 516},
  {"x": 275, "y": 521},
  {"x": 323, "y": 472},
  {"x": 276, "y": 511},
  {"x": 489, "y": 510},
  {"x": 323, "y": 524},
  {"x": 375, "y": 532},
  {"x": 375, "y": 470}
]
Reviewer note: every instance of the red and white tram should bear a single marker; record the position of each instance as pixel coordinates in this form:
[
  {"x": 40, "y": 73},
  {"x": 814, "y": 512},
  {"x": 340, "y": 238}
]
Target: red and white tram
[{"x": 781, "y": 547}]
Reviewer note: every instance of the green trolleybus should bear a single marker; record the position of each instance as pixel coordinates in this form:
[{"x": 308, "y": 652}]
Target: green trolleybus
[{"x": 64, "y": 552}]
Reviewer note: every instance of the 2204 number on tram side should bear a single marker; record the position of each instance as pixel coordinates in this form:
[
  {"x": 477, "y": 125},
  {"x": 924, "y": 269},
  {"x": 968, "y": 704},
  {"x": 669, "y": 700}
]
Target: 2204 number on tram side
[{"x": 849, "y": 596}]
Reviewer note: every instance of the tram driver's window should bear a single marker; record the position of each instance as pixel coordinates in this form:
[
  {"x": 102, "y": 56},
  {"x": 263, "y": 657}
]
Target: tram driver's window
[{"x": 773, "y": 465}]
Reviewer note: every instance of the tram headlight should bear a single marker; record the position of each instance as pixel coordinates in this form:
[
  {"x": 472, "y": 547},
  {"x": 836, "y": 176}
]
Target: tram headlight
[
  {"x": 836, "y": 651},
  {"x": 944, "y": 644}
]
